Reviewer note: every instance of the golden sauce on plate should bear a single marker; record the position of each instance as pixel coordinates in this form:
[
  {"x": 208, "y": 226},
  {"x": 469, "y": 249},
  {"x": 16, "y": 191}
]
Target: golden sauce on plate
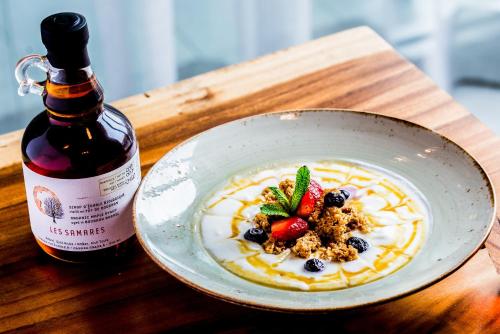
[{"x": 396, "y": 211}]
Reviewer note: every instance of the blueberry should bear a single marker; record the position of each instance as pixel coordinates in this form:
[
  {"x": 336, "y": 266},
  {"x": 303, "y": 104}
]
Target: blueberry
[
  {"x": 314, "y": 265},
  {"x": 360, "y": 244},
  {"x": 256, "y": 235},
  {"x": 334, "y": 199},
  {"x": 345, "y": 193}
]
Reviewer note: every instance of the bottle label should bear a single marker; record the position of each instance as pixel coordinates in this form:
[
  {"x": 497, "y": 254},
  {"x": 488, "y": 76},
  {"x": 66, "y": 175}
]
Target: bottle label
[{"x": 83, "y": 214}]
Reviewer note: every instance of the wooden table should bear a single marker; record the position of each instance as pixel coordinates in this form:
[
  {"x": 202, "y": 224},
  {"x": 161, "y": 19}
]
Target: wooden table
[{"x": 354, "y": 69}]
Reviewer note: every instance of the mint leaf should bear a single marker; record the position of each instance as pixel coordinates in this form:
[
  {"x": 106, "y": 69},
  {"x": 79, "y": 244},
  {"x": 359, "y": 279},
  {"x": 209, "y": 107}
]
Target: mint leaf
[
  {"x": 273, "y": 210},
  {"x": 281, "y": 197},
  {"x": 302, "y": 180}
]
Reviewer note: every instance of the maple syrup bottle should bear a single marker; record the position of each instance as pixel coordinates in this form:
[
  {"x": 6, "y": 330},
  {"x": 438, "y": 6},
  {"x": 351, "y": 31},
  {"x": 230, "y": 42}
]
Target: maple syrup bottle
[{"x": 80, "y": 156}]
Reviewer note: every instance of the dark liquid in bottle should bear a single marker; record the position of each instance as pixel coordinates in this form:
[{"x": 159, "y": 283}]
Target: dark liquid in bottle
[{"x": 78, "y": 136}]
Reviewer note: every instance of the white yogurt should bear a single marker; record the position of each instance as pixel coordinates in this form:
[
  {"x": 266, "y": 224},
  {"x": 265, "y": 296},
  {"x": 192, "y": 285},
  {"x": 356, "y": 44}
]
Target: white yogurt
[{"x": 397, "y": 213}]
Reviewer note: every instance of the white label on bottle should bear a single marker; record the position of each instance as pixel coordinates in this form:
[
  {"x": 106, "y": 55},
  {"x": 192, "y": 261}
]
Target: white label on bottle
[{"x": 83, "y": 214}]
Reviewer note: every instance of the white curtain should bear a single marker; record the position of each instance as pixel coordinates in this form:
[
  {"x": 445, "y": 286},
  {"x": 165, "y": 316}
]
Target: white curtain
[{"x": 139, "y": 45}]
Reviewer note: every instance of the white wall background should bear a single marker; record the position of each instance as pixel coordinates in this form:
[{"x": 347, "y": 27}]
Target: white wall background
[{"x": 138, "y": 45}]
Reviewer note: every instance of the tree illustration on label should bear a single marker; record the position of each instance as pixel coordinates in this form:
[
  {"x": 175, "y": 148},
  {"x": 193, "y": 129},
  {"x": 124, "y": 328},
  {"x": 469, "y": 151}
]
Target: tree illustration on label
[
  {"x": 53, "y": 208},
  {"x": 47, "y": 202}
]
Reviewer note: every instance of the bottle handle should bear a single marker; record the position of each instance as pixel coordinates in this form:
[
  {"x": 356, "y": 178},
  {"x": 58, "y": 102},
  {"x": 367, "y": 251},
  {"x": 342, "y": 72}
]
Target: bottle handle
[{"x": 26, "y": 83}]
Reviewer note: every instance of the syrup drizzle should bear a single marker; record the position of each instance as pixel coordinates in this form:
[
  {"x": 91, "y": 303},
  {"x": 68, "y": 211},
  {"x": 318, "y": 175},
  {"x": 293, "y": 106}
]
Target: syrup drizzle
[{"x": 390, "y": 258}]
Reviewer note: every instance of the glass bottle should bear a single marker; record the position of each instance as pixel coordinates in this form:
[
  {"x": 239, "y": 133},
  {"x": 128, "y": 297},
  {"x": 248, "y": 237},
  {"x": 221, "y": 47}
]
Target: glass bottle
[{"x": 80, "y": 156}]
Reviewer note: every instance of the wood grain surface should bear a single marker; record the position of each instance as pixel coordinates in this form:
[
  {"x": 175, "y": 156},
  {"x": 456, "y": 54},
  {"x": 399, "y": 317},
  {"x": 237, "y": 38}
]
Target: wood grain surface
[{"x": 354, "y": 69}]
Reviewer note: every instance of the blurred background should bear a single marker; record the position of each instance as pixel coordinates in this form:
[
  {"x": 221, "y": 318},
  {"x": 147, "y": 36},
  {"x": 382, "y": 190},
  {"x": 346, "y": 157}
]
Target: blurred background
[{"x": 139, "y": 45}]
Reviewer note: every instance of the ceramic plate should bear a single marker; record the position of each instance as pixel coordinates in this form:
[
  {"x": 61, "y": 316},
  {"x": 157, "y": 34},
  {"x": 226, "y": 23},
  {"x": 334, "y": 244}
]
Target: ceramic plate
[{"x": 455, "y": 188}]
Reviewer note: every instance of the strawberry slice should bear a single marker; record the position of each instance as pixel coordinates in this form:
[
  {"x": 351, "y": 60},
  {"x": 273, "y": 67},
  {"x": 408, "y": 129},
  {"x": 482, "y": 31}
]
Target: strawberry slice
[
  {"x": 289, "y": 228},
  {"x": 312, "y": 195}
]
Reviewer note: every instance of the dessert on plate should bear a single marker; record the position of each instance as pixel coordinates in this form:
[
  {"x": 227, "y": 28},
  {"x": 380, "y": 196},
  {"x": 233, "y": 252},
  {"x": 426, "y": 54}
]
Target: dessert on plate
[{"x": 325, "y": 225}]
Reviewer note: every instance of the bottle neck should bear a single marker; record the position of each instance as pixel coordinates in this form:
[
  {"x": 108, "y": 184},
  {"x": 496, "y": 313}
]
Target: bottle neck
[{"x": 72, "y": 95}]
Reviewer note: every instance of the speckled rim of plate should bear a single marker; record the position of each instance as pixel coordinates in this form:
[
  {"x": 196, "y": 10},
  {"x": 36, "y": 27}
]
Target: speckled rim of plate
[{"x": 246, "y": 303}]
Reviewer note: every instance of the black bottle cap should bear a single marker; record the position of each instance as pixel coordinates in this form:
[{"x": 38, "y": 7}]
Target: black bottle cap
[{"x": 65, "y": 35}]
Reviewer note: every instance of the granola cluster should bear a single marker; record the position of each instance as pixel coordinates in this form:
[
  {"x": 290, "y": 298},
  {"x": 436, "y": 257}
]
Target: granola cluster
[{"x": 329, "y": 228}]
